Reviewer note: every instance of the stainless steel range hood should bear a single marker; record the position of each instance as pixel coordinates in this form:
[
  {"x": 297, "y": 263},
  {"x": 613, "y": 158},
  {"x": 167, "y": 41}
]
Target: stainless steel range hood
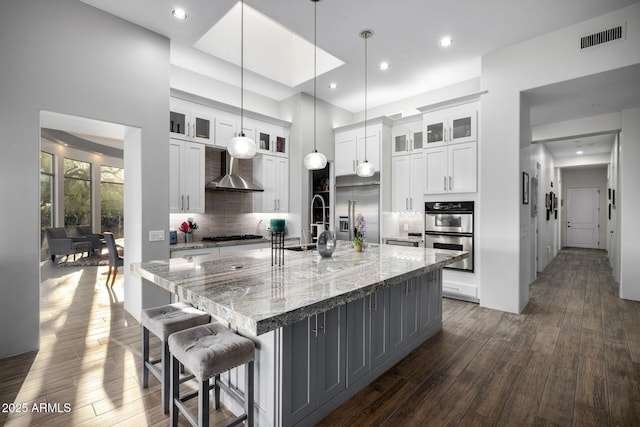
[{"x": 230, "y": 180}]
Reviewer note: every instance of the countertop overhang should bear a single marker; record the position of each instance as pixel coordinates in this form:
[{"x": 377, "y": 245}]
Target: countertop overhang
[{"x": 253, "y": 297}]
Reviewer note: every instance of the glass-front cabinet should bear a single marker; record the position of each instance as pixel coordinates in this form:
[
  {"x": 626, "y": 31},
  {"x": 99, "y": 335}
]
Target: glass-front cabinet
[
  {"x": 451, "y": 126},
  {"x": 407, "y": 135},
  {"x": 189, "y": 123}
]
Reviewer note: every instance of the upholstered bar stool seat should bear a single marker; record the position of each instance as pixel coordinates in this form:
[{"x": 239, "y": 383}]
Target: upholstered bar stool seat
[
  {"x": 207, "y": 351},
  {"x": 162, "y": 322}
]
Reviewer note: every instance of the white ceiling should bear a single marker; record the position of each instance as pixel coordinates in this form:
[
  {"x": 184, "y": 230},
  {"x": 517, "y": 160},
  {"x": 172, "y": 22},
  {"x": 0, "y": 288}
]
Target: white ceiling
[
  {"x": 589, "y": 145},
  {"x": 406, "y": 35}
]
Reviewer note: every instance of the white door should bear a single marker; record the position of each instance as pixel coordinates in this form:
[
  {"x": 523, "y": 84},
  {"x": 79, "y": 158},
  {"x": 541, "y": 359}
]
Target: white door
[{"x": 582, "y": 217}]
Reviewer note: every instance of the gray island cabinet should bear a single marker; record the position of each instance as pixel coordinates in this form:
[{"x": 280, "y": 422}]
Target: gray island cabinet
[{"x": 324, "y": 328}]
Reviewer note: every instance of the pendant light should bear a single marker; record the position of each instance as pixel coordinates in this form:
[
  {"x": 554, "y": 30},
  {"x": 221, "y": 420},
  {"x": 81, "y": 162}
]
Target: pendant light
[
  {"x": 315, "y": 160},
  {"x": 365, "y": 169},
  {"x": 242, "y": 147}
]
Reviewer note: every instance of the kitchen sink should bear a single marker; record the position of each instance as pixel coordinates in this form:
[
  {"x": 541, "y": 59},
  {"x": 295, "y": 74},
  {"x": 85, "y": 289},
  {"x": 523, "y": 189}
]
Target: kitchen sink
[{"x": 300, "y": 248}]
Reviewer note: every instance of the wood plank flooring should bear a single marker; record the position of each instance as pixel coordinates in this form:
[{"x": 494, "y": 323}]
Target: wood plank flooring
[{"x": 571, "y": 358}]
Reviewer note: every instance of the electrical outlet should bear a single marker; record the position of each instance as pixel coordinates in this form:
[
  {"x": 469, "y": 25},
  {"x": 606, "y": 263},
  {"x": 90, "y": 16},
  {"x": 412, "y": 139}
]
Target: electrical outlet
[
  {"x": 405, "y": 227},
  {"x": 156, "y": 235}
]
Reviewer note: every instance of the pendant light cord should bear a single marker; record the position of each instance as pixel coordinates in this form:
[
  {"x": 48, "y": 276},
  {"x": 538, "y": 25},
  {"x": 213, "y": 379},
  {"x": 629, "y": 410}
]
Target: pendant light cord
[
  {"x": 315, "y": 70},
  {"x": 366, "y": 38},
  {"x": 242, "y": 69}
]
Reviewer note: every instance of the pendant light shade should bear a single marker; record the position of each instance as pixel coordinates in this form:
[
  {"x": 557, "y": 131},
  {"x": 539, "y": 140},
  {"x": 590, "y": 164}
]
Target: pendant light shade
[
  {"x": 315, "y": 160},
  {"x": 242, "y": 147},
  {"x": 365, "y": 169}
]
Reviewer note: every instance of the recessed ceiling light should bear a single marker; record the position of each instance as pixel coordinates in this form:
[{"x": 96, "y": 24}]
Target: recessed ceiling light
[
  {"x": 579, "y": 152},
  {"x": 179, "y": 13},
  {"x": 333, "y": 85},
  {"x": 445, "y": 41},
  {"x": 384, "y": 66},
  {"x": 595, "y": 105}
]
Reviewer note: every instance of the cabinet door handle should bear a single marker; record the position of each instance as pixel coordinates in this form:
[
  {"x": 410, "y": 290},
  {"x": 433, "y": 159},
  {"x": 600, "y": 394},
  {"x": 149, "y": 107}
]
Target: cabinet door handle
[
  {"x": 274, "y": 204},
  {"x": 445, "y": 183},
  {"x": 375, "y": 303},
  {"x": 450, "y": 134},
  {"x": 450, "y": 183},
  {"x": 188, "y": 203},
  {"x": 445, "y": 135},
  {"x": 324, "y": 323},
  {"x": 193, "y": 134},
  {"x": 370, "y": 301},
  {"x": 182, "y": 202},
  {"x": 315, "y": 331}
]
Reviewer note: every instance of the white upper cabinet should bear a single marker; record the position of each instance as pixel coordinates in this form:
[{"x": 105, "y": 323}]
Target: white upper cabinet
[
  {"x": 408, "y": 182},
  {"x": 407, "y": 137},
  {"x": 186, "y": 176},
  {"x": 227, "y": 126},
  {"x": 190, "y": 122},
  {"x": 272, "y": 174},
  {"x": 451, "y": 149},
  {"x": 450, "y": 126},
  {"x": 451, "y": 169},
  {"x": 352, "y": 147}
]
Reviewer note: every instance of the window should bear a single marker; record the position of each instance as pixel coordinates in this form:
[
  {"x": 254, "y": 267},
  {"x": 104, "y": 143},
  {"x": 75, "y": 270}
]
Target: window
[
  {"x": 112, "y": 203},
  {"x": 47, "y": 179},
  {"x": 77, "y": 194}
]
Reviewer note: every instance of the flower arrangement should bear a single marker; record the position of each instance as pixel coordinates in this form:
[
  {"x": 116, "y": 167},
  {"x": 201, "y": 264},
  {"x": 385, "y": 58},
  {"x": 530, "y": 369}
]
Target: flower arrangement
[
  {"x": 360, "y": 228},
  {"x": 188, "y": 226}
]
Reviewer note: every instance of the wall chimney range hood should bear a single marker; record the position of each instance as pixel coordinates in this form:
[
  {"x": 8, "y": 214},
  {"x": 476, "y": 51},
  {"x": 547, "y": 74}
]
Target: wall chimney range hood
[{"x": 230, "y": 180}]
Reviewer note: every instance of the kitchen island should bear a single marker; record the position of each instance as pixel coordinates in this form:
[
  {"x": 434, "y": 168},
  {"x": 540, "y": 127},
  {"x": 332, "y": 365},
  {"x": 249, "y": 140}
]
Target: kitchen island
[{"x": 323, "y": 327}]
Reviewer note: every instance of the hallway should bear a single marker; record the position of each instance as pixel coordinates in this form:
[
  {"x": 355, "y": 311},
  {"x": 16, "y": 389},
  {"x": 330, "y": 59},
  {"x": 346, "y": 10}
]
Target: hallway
[{"x": 571, "y": 358}]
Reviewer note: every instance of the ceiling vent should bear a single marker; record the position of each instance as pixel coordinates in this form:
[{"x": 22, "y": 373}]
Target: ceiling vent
[{"x": 606, "y": 36}]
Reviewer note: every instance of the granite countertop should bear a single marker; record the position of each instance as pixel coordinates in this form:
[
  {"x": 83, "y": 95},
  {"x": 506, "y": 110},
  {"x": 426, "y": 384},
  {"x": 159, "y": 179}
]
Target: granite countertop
[
  {"x": 209, "y": 244},
  {"x": 254, "y": 297}
]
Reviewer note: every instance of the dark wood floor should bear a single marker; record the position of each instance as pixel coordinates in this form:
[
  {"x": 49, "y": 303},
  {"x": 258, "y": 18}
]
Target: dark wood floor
[{"x": 572, "y": 358}]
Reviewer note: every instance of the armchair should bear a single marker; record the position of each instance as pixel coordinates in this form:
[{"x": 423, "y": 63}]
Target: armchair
[
  {"x": 97, "y": 240},
  {"x": 60, "y": 244}
]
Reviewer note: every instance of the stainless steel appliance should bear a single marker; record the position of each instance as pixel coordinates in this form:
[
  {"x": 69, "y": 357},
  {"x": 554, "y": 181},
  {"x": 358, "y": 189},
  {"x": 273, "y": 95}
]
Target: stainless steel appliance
[
  {"x": 232, "y": 237},
  {"x": 356, "y": 195},
  {"x": 449, "y": 225}
]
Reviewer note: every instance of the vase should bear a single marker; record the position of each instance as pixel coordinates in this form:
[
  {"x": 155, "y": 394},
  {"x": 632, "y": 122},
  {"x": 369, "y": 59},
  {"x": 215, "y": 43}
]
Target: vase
[
  {"x": 357, "y": 247},
  {"x": 188, "y": 237},
  {"x": 326, "y": 243}
]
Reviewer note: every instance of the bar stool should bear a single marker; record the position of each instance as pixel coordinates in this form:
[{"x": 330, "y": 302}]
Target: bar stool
[
  {"x": 207, "y": 351},
  {"x": 163, "y": 321}
]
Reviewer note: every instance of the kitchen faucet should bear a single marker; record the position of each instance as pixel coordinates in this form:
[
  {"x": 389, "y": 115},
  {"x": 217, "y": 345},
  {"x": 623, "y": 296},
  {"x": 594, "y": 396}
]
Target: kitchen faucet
[{"x": 313, "y": 200}]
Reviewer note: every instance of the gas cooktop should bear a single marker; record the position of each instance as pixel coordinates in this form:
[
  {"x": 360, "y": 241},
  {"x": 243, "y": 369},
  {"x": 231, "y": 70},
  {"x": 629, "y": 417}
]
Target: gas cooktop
[{"x": 232, "y": 237}]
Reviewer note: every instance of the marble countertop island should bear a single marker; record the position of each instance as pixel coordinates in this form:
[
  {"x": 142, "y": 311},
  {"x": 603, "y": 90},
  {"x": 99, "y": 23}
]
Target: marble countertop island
[{"x": 253, "y": 296}]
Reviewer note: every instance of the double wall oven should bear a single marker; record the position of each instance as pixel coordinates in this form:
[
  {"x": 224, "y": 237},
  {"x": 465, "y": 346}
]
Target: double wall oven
[{"x": 449, "y": 225}]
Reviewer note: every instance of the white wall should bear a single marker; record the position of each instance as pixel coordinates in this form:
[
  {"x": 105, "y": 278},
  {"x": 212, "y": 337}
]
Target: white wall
[
  {"x": 547, "y": 230},
  {"x": 592, "y": 177},
  {"x": 505, "y": 73},
  {"x": 628, "y": 205},
  {"x": 65, "y": 56}
]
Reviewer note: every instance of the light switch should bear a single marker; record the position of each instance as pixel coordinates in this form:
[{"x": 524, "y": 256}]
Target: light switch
[
  {"x": 406, "y": 227},
  {"x": 156, "y": 235}
]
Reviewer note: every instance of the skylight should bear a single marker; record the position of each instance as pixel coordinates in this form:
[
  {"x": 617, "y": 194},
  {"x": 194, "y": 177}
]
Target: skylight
[{"x": 270, "y": 49}]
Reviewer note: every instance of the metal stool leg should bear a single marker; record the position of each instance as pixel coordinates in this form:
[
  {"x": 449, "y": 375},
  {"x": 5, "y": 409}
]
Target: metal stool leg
[
  {"x": 165, "y": 377},
  {"x": 145, "y": 357},
  {"x": 203, "y": 403},
  {"x": 248, "y": 390},
  {"x": 216, "y": 392},
  {"x": 175, "y": 391}
]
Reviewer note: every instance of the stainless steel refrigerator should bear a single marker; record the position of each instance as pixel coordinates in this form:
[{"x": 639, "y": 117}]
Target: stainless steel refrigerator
[{"x": 355, "y": 195}]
